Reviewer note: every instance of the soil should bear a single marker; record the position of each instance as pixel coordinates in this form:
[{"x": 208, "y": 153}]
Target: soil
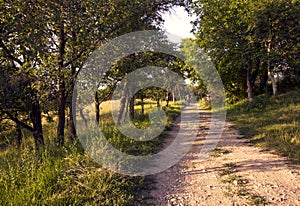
[{"x": 236, "y": 173}]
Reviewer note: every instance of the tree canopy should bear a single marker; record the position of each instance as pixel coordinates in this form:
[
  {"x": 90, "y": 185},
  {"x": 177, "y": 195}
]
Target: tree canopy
[
  {"x": 250, "y": 42},
  {"x": 45, "y": 43}
]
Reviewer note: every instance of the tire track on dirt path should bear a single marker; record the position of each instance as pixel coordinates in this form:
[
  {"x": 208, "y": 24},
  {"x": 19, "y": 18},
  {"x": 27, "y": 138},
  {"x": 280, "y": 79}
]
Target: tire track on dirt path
[{"x": 235, "y": 174}]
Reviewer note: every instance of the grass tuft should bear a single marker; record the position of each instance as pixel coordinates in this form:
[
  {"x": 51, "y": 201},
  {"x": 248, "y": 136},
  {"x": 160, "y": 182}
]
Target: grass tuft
[{"x": 219, "y": 152}]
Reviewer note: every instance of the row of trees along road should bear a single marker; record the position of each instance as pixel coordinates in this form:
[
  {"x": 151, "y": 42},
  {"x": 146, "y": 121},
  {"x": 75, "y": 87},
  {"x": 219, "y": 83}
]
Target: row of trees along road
[
  {"x": 255, "y": 44},
  {"x": 44, "y": 45},
  {"x": 128, "y": 64}
]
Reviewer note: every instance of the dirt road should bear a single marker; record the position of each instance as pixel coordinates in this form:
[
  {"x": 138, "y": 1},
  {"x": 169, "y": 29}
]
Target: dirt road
[{"x": 236, "y": 173}]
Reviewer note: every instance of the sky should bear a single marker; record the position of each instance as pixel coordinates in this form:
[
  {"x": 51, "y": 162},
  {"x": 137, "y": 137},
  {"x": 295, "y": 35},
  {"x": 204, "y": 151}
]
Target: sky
[{"x": 178, "y": 23}]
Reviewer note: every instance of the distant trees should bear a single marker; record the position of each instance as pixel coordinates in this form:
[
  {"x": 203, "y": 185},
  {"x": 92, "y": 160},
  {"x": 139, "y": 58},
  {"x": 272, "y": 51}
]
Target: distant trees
[
  {"x": 251, "y": 43},
  {"x": 124, "y": 67}
]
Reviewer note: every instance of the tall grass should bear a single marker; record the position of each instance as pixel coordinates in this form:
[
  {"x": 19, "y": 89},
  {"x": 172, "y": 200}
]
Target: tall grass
[
  {"x": 271, "y": 123},
  {"x": 67, "y": 176},
  {"x": 61, "y": 176}
]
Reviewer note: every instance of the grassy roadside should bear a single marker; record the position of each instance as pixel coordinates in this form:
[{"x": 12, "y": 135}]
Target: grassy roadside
[
  {"x": 273, "y": 124},
  {"x": 67, "y": 176}
]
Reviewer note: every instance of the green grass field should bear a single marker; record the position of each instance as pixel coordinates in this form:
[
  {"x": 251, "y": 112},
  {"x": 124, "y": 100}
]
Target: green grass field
[
  {"x": 273, "y": 124},
  {"x": 66, "y": 175}
]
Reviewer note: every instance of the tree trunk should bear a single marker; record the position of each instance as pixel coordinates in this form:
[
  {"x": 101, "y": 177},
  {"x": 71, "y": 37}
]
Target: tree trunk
[
  {"x": 62, "y": 86},
  {"x": 272, "y": 78},
  {"x": 72, "y": 109},
  {"x": 143, "y": 106},
  {"x": 173, "y": 97},
  {"x": 83, "y": 117},
  {"x": 179, "y": 94},
  {"x": 158, "y": 103},
  {"x": 167, "y": 99},
  {"x": 263, "y": 81},
  {"x": 131, "y": 108},
  {"x": 274, "y": 83},
  {"x": 249, "y": 82},
  {"x": 61, "y": 114},
  {"x": 72, "y": 124},
  {"x": 36, "y": 118},
  {"x": 255, "y": 72},
  {"x": 73, "y": 94},
  {"x": 122, "y": 103},
  {"x": 270, "y": 72},
  {"x": 97, "y": 108},
  {"x": 126, "y": 110}
]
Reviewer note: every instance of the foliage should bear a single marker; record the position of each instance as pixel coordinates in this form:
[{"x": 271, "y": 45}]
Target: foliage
[
  {"x": 50, "y": 40},
  {"x": 250, "y": 41}
]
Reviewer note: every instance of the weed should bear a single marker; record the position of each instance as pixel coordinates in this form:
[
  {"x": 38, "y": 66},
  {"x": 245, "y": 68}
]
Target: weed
[
  {"x": 231, "y": 165},
  {"x": 225, "y": 172},
  {"x": 237, "y": 185},
  {"x": 219, "y": 152}
]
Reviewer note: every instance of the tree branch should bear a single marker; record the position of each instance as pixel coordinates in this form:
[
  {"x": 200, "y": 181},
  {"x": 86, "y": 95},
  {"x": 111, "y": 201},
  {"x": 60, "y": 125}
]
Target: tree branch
[
  {"x": 17, "y": 121},
  {"x": 10, "y": 56},
  {"x": 74, "y": 59},
  {"x": 109, "y": 94}
]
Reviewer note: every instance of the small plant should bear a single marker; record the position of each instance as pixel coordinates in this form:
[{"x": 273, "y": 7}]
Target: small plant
[
  {"x": 237, "y": 185},
  {"x": 225, "y": 172},
  {"x": 219, "y": 152},
  {"x": 231, "y": 165}
]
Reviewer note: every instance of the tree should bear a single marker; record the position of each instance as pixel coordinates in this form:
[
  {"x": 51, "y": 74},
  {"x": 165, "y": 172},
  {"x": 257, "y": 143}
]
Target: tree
[
  {"x": 246, "y": 40},
  {"x": 79, "y": 28},
  {"x": 20, "y": 103},
  {"x": 125, "y": 66},
  {"x": 50, "y": 40},
  {"x": 21, "y": 50},
  {"x": 221, "y": 31},
  {"x": 277, "y": 28}
]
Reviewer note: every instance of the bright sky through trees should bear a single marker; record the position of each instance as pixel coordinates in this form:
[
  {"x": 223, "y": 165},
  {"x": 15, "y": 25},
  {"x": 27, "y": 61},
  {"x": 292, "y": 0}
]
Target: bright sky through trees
[{"x": 178, "y": 23}]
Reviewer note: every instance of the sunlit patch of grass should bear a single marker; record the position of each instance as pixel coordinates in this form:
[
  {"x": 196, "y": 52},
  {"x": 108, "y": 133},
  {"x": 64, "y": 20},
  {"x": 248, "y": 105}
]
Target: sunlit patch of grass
[
  {"x": 128, "y": 145},
  {"x": 271, "y": 123},
  {"x": 205, "y": 104}
]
